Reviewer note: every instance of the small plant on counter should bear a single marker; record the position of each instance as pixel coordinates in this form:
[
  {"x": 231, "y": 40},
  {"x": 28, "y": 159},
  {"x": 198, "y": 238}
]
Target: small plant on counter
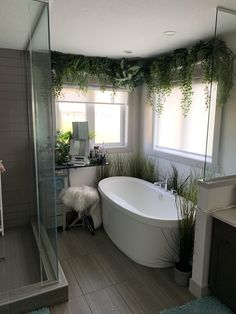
[
  {"x": 98, "y": 155},
  {"x": 62, "y": 147}
]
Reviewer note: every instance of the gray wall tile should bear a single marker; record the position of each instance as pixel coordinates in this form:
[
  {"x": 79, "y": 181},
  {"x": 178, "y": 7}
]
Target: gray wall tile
[{"x": 18, "y": 183}]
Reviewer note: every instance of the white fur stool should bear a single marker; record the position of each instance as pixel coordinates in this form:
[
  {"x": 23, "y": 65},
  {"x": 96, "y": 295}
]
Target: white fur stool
[{"x": 85, "y": 201}]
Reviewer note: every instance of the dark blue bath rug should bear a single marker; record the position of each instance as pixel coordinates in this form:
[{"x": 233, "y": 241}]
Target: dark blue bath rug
[{"x": 206, "y": 305}]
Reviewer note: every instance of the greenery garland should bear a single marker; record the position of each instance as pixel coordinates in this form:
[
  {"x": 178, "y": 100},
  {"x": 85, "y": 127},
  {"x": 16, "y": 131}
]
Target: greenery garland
[{"x": 159, "y": 73}]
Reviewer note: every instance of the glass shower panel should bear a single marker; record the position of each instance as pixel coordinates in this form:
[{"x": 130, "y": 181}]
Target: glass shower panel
[
  {"x": 43, "y": 141},
  {"x": 224, "y": 128}
]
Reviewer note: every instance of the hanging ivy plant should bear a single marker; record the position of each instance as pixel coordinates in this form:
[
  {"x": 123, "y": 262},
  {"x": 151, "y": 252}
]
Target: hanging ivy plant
[
  {"x": 185, "y": 64},
  {"x": 205, "y": 54},
  {"x": 162, "y": 72},
  {"x": 223, "y": 70},
  {"x": 159, "y": 73}
]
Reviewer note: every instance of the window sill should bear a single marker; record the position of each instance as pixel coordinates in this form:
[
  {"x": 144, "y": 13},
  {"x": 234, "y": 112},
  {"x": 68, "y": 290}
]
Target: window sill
[
  {"x": 117, "y": 149},
  {"x": 192, "y": 160}
]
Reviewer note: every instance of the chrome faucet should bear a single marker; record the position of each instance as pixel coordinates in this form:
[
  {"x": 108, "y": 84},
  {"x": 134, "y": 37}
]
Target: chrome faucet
[{"x": 161, "y": 183}]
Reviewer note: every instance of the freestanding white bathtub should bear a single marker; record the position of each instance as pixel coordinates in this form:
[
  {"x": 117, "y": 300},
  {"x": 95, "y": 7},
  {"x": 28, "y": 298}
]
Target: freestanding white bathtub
[{"x": 141, "y": 219}]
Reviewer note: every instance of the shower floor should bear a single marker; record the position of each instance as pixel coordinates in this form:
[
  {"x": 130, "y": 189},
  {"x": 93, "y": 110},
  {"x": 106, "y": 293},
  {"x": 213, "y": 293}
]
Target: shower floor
[{"x": 19, "y": 259}]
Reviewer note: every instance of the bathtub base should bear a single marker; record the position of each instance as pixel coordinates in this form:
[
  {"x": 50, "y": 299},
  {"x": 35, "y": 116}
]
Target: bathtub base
[
  {"x": 145, "y": 244},
  {"x": 146, "y": 263}
]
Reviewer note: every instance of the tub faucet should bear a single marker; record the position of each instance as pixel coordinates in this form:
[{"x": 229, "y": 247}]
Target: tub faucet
[{"x": 160, "y": 184}]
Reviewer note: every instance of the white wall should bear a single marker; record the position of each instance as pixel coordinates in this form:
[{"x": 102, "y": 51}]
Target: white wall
[{"x": 83, "y": 176}]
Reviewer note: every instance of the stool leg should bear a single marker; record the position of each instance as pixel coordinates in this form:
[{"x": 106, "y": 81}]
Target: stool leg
[
  {"x": 76, "y": 223},
  {"x": 89, "y": 224}
]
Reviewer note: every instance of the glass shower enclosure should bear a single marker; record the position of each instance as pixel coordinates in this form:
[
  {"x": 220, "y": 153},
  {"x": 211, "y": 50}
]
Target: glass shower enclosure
[{"x": 28, "y": 250}]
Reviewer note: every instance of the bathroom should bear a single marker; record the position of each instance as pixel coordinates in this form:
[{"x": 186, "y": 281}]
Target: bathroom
[{"x": 103, "y": 273}]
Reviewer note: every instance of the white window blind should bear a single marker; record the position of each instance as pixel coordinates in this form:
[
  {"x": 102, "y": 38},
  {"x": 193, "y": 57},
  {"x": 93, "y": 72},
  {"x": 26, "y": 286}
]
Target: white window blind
[
  {"x": 186, "y": 136},
  {"x": 106, "y": 113}
]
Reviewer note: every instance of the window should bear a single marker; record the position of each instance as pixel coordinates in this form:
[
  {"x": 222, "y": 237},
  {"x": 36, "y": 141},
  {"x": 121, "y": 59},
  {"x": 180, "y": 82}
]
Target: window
[
  {"x": 186, "y": 136},
  {"x": 106, "y": 113}
]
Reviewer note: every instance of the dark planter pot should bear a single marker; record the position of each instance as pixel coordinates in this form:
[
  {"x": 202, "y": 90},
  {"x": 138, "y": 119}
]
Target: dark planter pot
[{"x": 182, "y": 277}]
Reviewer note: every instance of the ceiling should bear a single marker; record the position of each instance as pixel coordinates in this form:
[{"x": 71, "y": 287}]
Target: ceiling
[
  {"x": 14, "y": 33},
  {"x": 108, "y": 27},
  {"x": 17, "y": 17}
]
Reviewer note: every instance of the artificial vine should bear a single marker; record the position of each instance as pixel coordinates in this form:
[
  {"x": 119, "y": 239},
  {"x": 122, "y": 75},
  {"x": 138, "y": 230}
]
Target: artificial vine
[
  {"x": 159, "y": 74},
  {"x": 163, "y": 68},
  {"x": 185, "y": 63}
]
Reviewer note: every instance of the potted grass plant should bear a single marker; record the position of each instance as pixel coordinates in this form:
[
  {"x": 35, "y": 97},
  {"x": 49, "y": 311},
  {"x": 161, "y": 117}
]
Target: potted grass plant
[{"x": 186, "y": 207}]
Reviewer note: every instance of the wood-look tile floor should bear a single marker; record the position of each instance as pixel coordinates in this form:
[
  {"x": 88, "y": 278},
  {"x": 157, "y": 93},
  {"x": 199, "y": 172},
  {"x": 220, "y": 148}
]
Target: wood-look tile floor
[
  {"x": 19, "y": 263},
  {"x": 103, "y": 280}
]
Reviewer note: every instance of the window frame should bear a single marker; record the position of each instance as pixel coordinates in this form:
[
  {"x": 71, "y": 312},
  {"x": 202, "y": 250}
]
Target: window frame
[{"x": 124, "y": 144}]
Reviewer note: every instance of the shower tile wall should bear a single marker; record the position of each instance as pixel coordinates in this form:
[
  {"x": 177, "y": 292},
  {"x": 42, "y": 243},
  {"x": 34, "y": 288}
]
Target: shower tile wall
[{"x": 15, "y": 146}]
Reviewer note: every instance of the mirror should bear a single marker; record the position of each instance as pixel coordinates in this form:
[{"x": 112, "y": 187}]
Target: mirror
[
  {"x": 224, "y": 147},
  {"x": 80, "y": 130},
  {"x": 79, "y": 146}
]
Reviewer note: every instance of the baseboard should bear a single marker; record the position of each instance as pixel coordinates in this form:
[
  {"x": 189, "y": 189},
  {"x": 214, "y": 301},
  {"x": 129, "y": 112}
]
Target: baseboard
[{"x": 196, "y": 290}]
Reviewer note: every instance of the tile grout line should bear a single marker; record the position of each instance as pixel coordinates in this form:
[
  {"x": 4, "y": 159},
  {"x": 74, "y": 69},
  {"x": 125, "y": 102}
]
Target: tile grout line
[
  {"x": 88, "y": 304},
  {"x": 123, "y": 298},
  {"x": 74, "y": 276},
  {"x": 112, "y": 285},
  {"x": 88, "y": 293},
  {"x": 94, "y": 291}
]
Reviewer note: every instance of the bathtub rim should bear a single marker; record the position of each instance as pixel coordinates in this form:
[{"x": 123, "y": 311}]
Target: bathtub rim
[{"x": 128, "y": 209}]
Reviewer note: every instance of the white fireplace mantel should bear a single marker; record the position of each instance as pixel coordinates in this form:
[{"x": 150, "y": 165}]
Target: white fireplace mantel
[{"x": 216, "y": 198}]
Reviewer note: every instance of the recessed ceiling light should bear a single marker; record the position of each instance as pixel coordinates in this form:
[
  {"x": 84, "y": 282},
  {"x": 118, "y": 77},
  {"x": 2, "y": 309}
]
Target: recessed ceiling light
[
  {"x": 128, "y": 51},
  {"x": 169, "y": 33}
]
